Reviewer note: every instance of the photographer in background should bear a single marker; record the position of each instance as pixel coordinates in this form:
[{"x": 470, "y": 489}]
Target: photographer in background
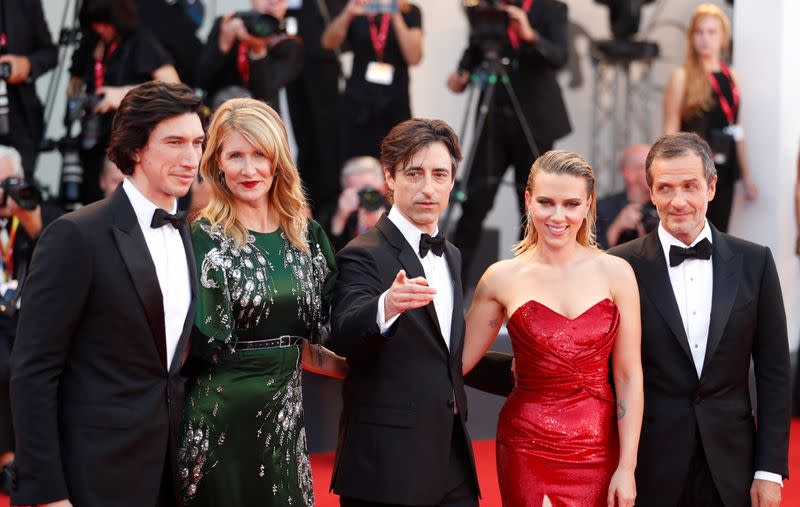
[
  {"x": 115, "y": 54},
  {"x": 628, "y": 214},
  {"x": 313, "y": 100},
  {"x": 536, "y": 47},
  {"x": 361, "y": 203},
  {"x": 22, "y": 218},
  {"x": 384, "y": 46},
  {"x": 252, "y": 51},
  {"x": 26, "y": 52}
]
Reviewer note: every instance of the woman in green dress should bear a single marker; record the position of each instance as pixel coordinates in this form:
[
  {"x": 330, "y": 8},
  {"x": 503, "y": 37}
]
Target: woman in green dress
[{"x": 265, "y": 270}]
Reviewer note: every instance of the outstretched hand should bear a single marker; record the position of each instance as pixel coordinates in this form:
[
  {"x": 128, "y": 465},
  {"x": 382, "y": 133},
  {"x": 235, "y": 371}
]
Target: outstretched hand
[{"x": 406, "y": 294}]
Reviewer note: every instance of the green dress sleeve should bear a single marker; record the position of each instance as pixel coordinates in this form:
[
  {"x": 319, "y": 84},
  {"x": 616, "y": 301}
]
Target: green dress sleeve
[
  {"x": 324, "y": 267},
  {"x": 214, "y": 321}
]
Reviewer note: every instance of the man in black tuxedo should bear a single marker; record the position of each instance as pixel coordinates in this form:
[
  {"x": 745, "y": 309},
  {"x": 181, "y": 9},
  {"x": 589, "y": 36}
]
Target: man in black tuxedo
[
  {"x": 28, "y": 50},
  {"x": 398, "y": 319},
  {"x": 536, "y": 47},
  {"x": 710, "y": 302},
  {"x": 96, "y": 389}
]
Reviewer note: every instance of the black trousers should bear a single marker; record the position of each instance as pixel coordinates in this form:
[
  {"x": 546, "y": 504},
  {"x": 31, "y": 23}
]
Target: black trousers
[
  {"x": 8, "y": 329},
  {"x": 699, "y": 489},
  {"x": 314, "y": 109},
  {"x": 719, "y": 209},
  {"x": 502, "y": 144},
  {"x": 462, "y": 490}
]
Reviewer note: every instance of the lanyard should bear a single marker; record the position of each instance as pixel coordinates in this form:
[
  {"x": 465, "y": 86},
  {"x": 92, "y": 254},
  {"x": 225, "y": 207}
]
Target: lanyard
[
  {"x": 723, "y": 101},
  {"x": 101, "y": 64},
  {"x": 243, "y": 63},
  {"x": 379, "y": 38},
  {"x": 7, "y": 251},
  {"x": 513, "y": 36}
]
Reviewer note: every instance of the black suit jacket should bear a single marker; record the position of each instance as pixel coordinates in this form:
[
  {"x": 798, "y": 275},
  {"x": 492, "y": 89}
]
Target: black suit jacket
[
  {"x": 96, "y": 410},
  {"x": 533, "y": 71},
  {"x": 747, "y": 321},
  {"x": 28, "y": 35},
  {"x": 397, "y": 420}
]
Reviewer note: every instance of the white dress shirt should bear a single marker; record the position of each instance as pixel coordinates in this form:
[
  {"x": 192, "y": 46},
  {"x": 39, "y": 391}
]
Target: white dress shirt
[
  {"x": 436, "y": 272},
  {"x": 693, "y": 285},
  {"x": 169, "y": 257}
]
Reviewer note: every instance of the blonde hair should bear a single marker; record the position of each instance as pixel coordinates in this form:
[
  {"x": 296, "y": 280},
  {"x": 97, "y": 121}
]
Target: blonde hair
[
  {"x": 697, "y": 95},
  {"x": 570, "y": 164},
  {"x": 261, "y": 126}
]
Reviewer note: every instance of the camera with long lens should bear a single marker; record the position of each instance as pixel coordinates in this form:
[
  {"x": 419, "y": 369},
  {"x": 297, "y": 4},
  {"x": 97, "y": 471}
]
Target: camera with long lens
[
  {"x": 371, "y": 199},
  {"x": 488, "y": 24},
  {"x": 5, "y": 73},
  {"x": 81, "y": 108},
  {"x": 260, "y": 25}
]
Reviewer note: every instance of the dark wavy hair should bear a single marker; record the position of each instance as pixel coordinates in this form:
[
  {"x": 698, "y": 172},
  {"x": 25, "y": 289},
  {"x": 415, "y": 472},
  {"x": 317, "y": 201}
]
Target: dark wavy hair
[
  {"x": 121, "y": 14},
  {"x": 140, "y": 111},
  {"x": 407, "y": 138}
]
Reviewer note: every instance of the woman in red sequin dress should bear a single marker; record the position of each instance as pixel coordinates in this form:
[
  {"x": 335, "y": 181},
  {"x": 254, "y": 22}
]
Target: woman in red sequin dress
[{"x": 565, "y": 433}]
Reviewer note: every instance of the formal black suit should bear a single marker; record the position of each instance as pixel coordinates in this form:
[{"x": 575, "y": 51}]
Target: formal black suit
[
  {"x": 27, "y": 34},
  {"x": 747, "y": 320},
  {"x": 398, "y": 421},
  {"x": 532, "y": 75},
  {"x": 96, "y": 410}
]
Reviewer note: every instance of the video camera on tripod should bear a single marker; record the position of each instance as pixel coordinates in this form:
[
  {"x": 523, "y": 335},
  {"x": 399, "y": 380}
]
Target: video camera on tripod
[{"x": 488, "y": 24}]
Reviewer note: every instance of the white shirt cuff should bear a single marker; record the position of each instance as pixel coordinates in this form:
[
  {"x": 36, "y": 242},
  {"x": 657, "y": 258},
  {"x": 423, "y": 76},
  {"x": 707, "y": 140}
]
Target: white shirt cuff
[
  {"x": 381, "y": 320},
  {"x": 769, "y": 476}
]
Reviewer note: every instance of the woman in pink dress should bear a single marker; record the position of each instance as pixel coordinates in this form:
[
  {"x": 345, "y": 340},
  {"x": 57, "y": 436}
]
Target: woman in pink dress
[{"x": 565, "y": 432}]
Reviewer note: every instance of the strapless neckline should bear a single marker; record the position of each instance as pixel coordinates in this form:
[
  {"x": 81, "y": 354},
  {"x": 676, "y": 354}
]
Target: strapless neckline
[{"x": 583, "y": 313}]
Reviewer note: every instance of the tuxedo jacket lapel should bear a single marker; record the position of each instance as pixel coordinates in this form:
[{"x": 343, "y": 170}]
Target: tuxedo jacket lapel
[
  {"x": 726, "y": 265},
  {"x": 182, "y": 350},
  {"x": 653, "y": 278},
  {"x": 136, "y": 256},
  {"x": 458, "y": 299},
  {"x": 409, "y": 260}
]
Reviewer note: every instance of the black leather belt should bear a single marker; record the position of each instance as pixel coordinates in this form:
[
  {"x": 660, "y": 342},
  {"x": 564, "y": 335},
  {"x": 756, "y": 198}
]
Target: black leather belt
[{"x": 281, "y": 341}]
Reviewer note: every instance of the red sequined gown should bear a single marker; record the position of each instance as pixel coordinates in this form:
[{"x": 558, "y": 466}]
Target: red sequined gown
[{"x": 557, "y": 433}]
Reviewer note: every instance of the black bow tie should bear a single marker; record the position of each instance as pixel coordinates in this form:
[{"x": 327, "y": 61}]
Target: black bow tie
[
  {"x": 162, "y": 217},
  {"x": 433, "y": 244},
  {"x": 678, "y": 254}
]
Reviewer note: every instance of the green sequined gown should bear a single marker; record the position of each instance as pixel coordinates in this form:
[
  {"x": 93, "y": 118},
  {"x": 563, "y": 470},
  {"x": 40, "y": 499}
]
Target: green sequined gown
[{"x": 243, "y": 441}]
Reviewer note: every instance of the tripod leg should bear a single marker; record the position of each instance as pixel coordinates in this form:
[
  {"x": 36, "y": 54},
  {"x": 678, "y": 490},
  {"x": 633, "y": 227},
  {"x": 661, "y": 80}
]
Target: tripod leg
[
  {"x": 526, "y": 129},
  {"x": 460, "y": 191}
]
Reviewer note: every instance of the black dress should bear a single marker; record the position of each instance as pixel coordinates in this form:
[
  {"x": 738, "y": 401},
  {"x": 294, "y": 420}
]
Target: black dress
[
  {"x": 133, "y": 62},
  {"x": 703, "y": 123},
  {"x": 370, "y": 110}
]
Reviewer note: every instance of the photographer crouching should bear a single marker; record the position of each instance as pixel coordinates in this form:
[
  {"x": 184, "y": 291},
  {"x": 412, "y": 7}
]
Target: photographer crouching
[
  {"x": 250, "y": 51},
  {"x": 531, "y": 45},
  {"x": 22, "y": 218},
  {"x": 628, "y": 214},
  {"x": 362, "y": 201}
]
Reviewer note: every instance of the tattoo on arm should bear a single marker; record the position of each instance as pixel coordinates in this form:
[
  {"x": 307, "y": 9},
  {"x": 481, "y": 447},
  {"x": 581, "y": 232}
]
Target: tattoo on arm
[
  {"x": 494, "y": 323},
  {"x": 621, "y": 409}
]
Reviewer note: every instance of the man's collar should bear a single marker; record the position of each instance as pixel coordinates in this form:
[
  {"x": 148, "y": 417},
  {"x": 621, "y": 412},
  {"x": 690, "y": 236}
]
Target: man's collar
[
  {"x": 667, "y": 240},
  {"x": 409, "y": 231},
  {"x": 142, "y": 206}
]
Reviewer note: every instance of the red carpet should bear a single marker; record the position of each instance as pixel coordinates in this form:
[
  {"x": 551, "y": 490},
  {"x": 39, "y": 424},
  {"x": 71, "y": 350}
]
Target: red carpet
[{"x": 322, "y": 465}]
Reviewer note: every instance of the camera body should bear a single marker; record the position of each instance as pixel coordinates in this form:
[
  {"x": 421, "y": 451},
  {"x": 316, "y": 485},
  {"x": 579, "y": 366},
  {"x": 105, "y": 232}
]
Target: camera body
[
  {"x": 25, "y": 194},
  {"x": 5, "y": 70},
  {"x": 650, "y": 218},
  {"x": 82, "y": 108},
  {"x": 371, "y": 199},
  {"x": 488, "y": 24},
  {"x": 260, "y": 25}
]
